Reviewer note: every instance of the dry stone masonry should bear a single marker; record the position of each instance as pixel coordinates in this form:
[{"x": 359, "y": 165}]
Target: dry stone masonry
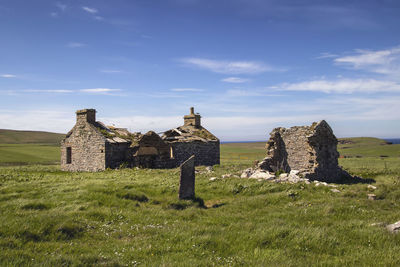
[
  {"x": 187, "y": 181},
  {"x": 193, "y": 139},
  {"x": 93, "y": 146},
  {"x": 308, "y": 152}
]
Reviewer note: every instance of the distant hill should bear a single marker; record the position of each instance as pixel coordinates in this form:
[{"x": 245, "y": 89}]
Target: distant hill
[
  {"x": 367, "y": 147},
  {"x": 29, "y": 137}
]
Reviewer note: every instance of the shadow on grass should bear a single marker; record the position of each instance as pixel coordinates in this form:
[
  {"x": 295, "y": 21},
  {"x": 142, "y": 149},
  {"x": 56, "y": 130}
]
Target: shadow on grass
[
  {"x": 186, "y": 203},
  {"x": 357, "y": 180}
]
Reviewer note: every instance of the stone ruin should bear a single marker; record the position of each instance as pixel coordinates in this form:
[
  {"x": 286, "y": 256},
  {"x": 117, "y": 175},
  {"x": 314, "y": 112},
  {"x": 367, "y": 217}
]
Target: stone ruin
[
  {"x": 193, "y": 139},
  {"x": 306, "y": 152},
  {"x": 93, "y": 146}
]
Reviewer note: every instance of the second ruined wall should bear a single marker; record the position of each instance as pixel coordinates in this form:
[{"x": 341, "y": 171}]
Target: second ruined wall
[
  {"x": 206, "y": 153},
  {"x": 117, "y": 154},
  {"x": 312, "y": 150}
]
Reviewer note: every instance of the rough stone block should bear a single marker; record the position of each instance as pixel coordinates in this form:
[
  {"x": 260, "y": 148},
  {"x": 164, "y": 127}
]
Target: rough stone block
[{"x": 186, "y": 187}]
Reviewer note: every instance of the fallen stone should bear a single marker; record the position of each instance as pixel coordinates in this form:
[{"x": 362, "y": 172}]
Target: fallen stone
[
  {"x": 213, "y": 178},
  {"x": 370, "y": 186},
  {"x": 294, "y": 172},
  {"x": 320, "y": 183},
  {"x": 226, "y": 175},
  {"x": 335, "y": 190},
  {"x": 283, "y": 175},
  {"x": 247, "y": 173},
  {"x": 371, "y": 196},
  {"x": 394, "y": 228},
  {"x": 209, "y": 168},
  {"x": 262, "y": 175}
]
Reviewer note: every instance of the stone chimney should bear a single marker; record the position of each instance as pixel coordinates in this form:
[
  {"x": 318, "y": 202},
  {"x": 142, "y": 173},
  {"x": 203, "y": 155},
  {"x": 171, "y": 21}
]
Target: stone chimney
[
  {"x": 86, "y": 115},
  {"x": 192, "y": 119}
]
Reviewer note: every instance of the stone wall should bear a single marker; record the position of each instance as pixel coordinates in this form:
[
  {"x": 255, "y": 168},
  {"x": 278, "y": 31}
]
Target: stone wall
[
  {"x": 206, "y": 153},
  {"x": 87, "y": 149},
  {"x": 117, "y": 154},
  {"x": 312, "y": 150}
]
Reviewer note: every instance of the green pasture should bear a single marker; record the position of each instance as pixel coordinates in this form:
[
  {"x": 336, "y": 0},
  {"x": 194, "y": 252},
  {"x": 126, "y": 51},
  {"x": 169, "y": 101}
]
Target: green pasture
[
  {"x": 22, "y": 154},
  {"x": 132, "y": 217}
]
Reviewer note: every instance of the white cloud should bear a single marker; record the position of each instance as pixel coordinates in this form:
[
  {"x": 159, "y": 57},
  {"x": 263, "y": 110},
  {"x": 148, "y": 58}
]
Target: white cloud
[
  {"x": 38, "y": 120},
  {"x": 100, "y": 91},
  {"x": 248, "y": 93},
  {"x": 228, "y": 67},
  {"x": 235, "y": 80},
  {"x": 98, "y": 18},
  {"x": 75, "y": 45},
  {"x": 111, "y": 71},
  {"x": 186, "y": 90},
  {"x": 59, "y": 91},
  {"x": 344, "y": 86},
  {"x": 54, "y": 14},
  {"x": 326, "y": 55},
  {"x": 6, "y": 75},
  {"x": 90, "y": 10},
  {"x": 61, "y": 6},
  {"x": 380, "y": 61}
]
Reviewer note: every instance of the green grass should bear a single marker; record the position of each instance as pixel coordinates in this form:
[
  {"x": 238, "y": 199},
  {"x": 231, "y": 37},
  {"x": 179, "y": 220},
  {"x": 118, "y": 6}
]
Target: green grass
[
  {"x": 20, "y": 154},
  {"x": 29, "y": 137},
  {"x": 368, "y": 147},
  {"x": 133, "y": 217}
]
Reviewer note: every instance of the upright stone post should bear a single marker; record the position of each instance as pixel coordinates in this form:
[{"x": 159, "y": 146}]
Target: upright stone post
[{"x": 186, "y": 187}]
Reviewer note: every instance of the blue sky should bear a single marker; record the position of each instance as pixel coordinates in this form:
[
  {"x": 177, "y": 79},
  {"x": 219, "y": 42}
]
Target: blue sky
[{"x": 247, "y": 66}]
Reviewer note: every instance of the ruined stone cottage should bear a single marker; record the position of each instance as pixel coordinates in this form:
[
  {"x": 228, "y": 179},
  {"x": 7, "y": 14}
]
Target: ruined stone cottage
[
  {"x": 193, "y": 139},
  {"x": 312, "y": 150},
  {"x": 92, "y": 146}
]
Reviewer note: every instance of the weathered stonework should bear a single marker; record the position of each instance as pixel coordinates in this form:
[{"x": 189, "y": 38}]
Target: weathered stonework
[
  {"x": 193, "y": 139},
  {"x": 85, "y": 145},
  {"x": 312, "y": 150},
  {"x": 187, "y": 180},
  {"x": 93, "y": 146}
]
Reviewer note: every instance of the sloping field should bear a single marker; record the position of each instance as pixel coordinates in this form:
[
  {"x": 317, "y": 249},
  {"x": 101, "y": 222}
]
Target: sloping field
[{"x": 29, "y": 137}]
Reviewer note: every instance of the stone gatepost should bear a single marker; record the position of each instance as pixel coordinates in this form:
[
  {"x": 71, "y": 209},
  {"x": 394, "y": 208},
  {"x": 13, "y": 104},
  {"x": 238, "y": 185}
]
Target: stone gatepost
[{"x": 186, "y": 187}]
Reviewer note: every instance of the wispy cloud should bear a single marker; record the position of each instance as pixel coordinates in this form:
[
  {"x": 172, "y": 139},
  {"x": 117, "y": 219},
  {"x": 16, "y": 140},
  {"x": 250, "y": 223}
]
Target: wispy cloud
[
  {"x": 235, "y": 80},
  {"x": 101, "y": 91},
  {"x": 248, "y": 93},
  {"x": 343, "y": 86},
  {"x": 90, "y": 10},
  {"x": 75, "y": 45},
  {"x": 111, "y": 71},
  {"x": 54, "y": 14},
  {"x": 57, "y": 91},
  {"x": 326, "y": 55},
  {"x": 381, "y": 61},
  {"x": 187, "y": 90},
  {"x": 7, "y": 75},
  {"x": 228, "y": 67},
  {"x": 61, "y": 6}
]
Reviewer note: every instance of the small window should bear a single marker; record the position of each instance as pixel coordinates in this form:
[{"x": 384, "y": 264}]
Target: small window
[
  {"x": 101, "y": 151},
  {"x": 69, "y": 155}
]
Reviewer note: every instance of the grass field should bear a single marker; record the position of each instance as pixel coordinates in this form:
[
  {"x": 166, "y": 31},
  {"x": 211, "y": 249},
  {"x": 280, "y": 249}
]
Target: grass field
[
  {"x": 29, "y": 137},
  {"x": 132, "y": 217},
  {"x": 22, "y": 154}
]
